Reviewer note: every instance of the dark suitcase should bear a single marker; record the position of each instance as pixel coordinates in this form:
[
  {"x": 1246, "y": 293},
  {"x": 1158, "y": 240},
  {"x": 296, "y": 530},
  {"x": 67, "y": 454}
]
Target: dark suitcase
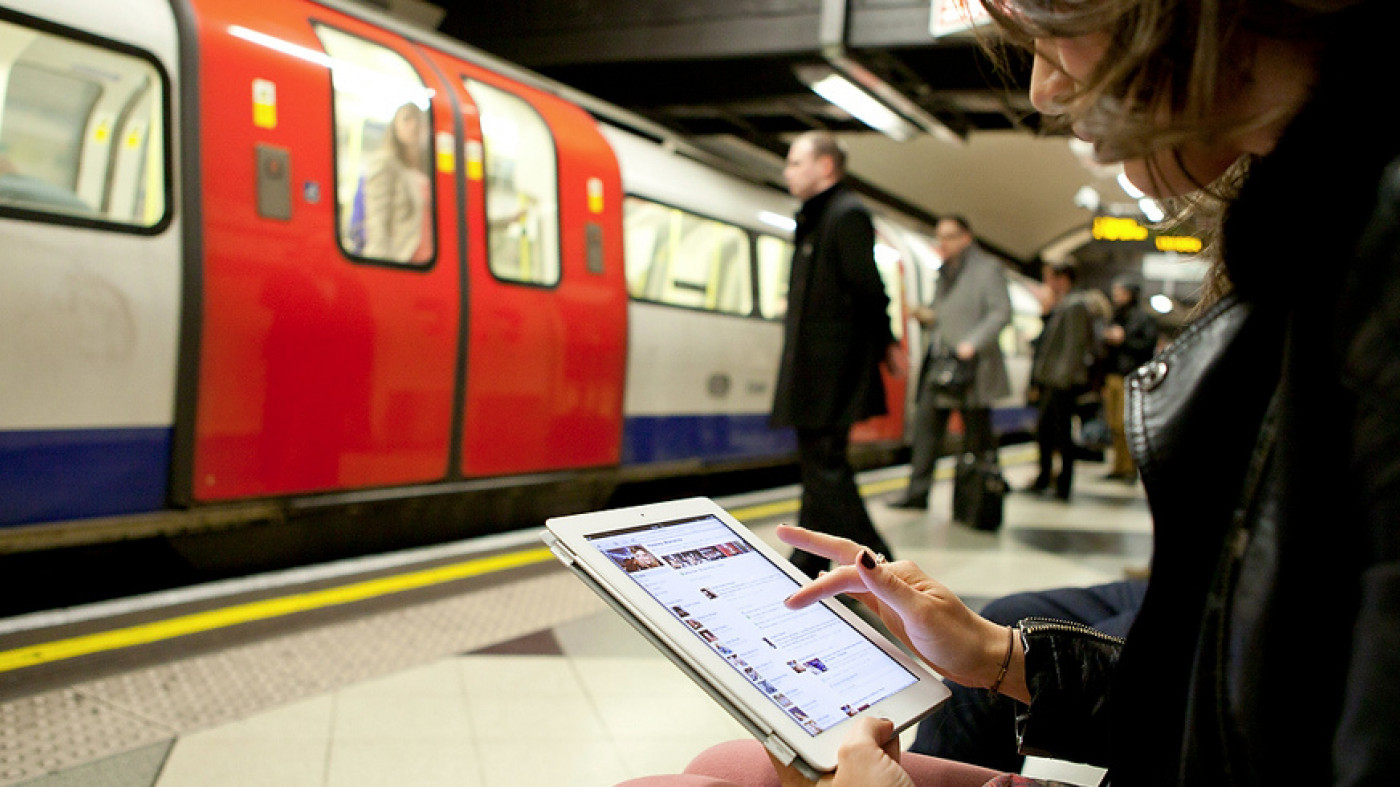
[{"x": 979, "y": 489}]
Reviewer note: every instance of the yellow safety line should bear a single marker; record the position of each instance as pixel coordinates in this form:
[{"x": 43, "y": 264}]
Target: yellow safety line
[{"x": 34, "y": 655}]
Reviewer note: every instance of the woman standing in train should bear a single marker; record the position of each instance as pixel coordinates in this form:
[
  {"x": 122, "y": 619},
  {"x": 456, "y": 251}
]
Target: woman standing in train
[
  {"x": 1267, "y": 649},
  {"x": 398, "y": 197}
]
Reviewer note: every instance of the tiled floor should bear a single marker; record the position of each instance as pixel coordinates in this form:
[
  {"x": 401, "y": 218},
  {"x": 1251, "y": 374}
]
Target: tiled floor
[{"x": 532, "y": 682}]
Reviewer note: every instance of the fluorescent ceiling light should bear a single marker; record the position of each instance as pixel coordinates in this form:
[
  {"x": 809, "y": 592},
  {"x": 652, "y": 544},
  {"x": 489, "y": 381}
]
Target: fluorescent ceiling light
[
  {"x": 1149, "y": 207},
  {"x": 774, "y": 220},
  {"x": 1151, "y": 210},
  {"x": 862, "y": 106},
  {"x": 1161, "y": 303},
  {"x": 1128, "y": 187}
]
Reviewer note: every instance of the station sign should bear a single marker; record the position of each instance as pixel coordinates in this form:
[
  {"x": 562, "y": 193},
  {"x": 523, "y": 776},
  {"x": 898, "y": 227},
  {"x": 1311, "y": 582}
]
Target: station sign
[{"x": 1118, "y": 229}]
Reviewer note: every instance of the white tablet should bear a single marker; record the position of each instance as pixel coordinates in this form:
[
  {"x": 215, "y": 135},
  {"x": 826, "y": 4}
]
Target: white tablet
[{"x": 709, "y": 594}]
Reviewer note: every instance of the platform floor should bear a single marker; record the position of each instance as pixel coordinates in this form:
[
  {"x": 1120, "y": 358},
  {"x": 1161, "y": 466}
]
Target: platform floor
[{"x": 451, "y": 667}]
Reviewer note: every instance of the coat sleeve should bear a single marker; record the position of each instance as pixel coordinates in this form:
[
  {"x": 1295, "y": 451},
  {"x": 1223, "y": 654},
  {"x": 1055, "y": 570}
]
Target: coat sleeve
[
  {"x": 1068, "y": 670},
  {"x": 996, "y": 308},
  {"x": 854, "y": 237}
]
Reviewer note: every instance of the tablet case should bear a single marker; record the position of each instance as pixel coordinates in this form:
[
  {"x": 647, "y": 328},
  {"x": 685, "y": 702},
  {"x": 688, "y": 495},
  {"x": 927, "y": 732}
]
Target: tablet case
[{"x": 768, "y": 737}]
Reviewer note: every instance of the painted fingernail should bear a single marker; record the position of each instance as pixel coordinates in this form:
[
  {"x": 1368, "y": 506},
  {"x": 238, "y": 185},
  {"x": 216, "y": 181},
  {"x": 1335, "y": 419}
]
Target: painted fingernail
[{"x": 867, "y": 559}]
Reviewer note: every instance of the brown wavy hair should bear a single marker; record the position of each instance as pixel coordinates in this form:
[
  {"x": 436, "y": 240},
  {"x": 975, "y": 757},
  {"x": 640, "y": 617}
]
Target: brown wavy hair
[{"x": 1168, "y": 65}]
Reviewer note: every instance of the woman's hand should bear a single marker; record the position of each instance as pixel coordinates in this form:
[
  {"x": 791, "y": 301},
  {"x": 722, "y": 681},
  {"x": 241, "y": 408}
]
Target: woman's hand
[
  {"x": 869, "y": 757},
  {"x": 959, "y": 643}
]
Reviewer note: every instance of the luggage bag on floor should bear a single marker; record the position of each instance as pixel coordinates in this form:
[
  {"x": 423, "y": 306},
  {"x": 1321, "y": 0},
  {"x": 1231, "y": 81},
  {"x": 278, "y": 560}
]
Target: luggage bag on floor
[{"x": 979, "y": 490}]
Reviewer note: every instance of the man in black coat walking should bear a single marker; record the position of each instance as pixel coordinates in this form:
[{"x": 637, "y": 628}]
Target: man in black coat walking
[{"x": 836, "y": 335}]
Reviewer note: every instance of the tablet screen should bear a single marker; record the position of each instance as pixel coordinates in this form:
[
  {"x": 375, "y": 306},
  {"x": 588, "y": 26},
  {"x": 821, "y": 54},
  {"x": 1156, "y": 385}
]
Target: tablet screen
[{"x": 810, "y": 663}]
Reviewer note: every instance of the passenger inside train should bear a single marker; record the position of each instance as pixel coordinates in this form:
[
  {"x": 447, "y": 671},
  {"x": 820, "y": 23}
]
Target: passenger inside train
[
  {"x": 397, "y": 192},
  {"x": 1281, "y": 393}
]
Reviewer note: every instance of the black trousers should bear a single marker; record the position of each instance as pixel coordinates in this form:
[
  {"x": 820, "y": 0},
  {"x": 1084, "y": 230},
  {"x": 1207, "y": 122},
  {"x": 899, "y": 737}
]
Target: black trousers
[
  {"x": 1054, "y": 433},
  {"x": 831, "y": 502},
  {"x": 930, "y": 427}
]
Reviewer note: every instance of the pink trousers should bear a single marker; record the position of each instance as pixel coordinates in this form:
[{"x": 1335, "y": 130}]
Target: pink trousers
[{"x": 746, "y": 764}]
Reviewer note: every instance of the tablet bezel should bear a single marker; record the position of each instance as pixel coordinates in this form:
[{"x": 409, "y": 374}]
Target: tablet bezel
[{"x": 903, "y": 708}]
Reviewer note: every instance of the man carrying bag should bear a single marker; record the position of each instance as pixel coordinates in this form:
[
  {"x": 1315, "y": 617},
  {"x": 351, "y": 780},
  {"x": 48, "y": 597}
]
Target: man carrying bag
[{"x": 964, "y": 369}]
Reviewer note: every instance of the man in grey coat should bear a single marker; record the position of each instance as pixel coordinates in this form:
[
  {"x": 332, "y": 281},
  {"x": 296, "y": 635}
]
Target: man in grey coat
[{"x": 969, "y": 309}]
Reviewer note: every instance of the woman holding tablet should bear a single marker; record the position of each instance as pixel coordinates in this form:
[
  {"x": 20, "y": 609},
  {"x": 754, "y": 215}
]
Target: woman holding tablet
[{"x": 1267, "y": 649}]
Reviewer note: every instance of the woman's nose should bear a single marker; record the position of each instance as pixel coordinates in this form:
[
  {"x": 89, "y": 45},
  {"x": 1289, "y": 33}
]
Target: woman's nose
[{"x": 1050, "y": 86}]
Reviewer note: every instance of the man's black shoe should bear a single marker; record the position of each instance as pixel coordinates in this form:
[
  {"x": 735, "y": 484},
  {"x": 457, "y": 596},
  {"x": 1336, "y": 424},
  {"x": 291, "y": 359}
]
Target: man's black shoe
[{"x": 909, "y": 504}]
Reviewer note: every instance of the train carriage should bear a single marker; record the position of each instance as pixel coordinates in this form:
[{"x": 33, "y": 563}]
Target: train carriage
[{"x": 201, "y": 324}]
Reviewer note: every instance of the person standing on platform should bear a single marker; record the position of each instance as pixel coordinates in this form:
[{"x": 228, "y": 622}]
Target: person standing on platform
[
  {"x": 1060, "y": 367},
  {"x": 970, "y": 307},
  {"x": 1129, "y": 343},
  {"x": 836, "y": 335},
  {"x": 1269, "y": 447}
]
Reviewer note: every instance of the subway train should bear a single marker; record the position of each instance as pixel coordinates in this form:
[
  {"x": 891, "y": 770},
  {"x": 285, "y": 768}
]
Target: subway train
[{"x": 272, "y": 258}]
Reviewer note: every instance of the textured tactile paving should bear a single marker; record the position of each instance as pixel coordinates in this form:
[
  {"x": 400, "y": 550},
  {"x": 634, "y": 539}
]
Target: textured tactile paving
[{"x": 56, "y": 731}]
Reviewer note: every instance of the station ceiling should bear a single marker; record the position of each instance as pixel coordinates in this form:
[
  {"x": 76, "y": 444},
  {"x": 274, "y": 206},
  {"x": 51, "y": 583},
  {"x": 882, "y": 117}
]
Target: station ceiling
[{"x": 727, "y": 72}]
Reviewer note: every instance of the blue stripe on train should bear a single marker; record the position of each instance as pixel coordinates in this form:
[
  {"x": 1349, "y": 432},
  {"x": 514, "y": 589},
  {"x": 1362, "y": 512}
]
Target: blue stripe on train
[
  {"x": 62, "y": 474},
  {"x": 648, "y": 439},
  {"x": 1014, "y": 419}
]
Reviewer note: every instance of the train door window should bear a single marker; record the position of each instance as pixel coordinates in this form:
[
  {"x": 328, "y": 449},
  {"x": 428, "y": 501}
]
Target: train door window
[
  {"x": 522, "y": 187},
  {"x": 774, "y": 265},
  {"x": 82, "y": 130},
  {"x": 384, "y": 149},
  {"x": 682, "y": 259}
]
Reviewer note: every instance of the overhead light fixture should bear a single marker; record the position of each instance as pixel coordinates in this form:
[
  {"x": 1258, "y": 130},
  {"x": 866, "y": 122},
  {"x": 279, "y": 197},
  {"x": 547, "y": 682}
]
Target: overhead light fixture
[
  {"x": 1087, "y": 197},
  {"x": 786, "y": 223},
  {"x": 1161, "y": 304},
  {"x": 858, "y": 90},
  {"x": 1149, "y": 207},
  {"x": 1151, "y": 210},
  {"x": 1128, "y": 187},
  {"x": 825, "y": 82}
]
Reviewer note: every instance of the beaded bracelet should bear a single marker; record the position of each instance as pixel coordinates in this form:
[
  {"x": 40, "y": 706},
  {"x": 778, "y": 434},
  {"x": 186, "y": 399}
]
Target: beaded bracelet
[{"x": 1006, "y": 661}]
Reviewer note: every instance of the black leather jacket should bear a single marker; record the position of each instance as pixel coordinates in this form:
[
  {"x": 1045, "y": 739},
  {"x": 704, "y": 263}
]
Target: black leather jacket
[{"x": 1267, "y": 649}]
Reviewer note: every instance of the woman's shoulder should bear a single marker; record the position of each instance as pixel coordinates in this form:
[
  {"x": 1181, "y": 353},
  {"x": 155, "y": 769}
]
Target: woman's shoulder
[{"x": 383, "y": 161}]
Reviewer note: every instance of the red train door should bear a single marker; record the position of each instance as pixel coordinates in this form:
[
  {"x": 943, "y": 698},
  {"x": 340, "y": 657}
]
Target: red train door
[
  {"x": 331, "y": 278},
  {"x": 546, "y": 333}
]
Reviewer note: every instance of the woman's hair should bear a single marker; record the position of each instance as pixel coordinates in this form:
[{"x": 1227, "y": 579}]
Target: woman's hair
[
  {"x": 1167, "y": 65},
  {"x": 1168, "y": 62}
]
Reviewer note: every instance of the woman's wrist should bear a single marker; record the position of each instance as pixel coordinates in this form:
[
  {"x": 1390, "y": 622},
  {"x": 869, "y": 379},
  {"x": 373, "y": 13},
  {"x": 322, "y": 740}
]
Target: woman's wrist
[{"x": 1003, "y": 650}]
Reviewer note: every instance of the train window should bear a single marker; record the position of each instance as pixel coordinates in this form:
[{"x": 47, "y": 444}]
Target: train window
[
  {"x": 522, "y": 207},
  {"x": 888, "y": 261},
  {"x": 384, "y": 150},
  {"x": 774, "y": 262},
  {"x": 82, "y": 130},
  {"x": 682, "y": 259}
]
